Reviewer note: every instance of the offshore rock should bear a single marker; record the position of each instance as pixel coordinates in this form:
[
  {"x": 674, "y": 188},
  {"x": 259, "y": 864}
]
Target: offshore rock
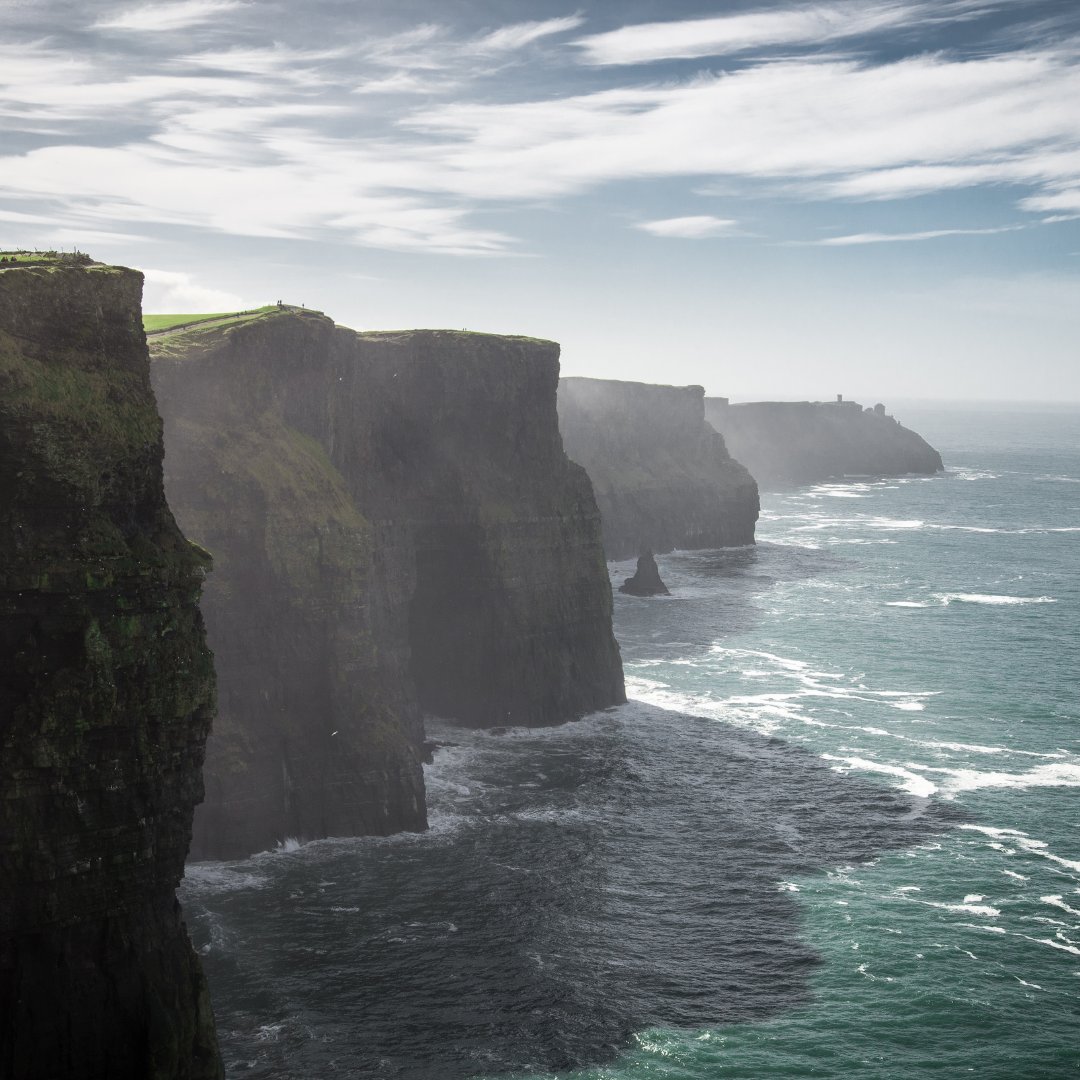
[
  {"x": 106, "y": 697},
  {"x": 787, "y": 443},
  {"x": 663, "y": 477},
  {"x": 407, "y": 536},
  {"x": 646, "y": 580}
]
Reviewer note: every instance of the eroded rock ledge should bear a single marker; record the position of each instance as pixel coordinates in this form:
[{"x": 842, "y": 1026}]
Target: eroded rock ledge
[
  {"x": 663, "y": 477},
  {"x": 787, "y": 443},
  {"x": 396, "y": 529},
  {"x": 106, "y": 696}
]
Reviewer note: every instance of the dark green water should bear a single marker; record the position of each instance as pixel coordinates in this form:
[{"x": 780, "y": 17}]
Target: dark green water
[{"x": 836, "y": 833}]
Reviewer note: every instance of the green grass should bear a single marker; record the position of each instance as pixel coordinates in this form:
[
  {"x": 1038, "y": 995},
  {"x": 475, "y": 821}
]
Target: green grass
[
  {"x": 23, "y": 257},
  {"x": 157, "y": 323}
]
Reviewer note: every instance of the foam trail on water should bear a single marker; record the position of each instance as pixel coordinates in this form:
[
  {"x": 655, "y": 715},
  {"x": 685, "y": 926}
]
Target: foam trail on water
[{"x": 914, "y": 784}]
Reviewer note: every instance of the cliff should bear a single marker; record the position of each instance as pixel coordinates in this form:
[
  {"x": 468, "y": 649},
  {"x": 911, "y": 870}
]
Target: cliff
[
  {"x": 106, "y": 696},
  {"x": 404, "y": 534},
  {"x": 786, "y": 443},
  {"x": 663, "y": 477}
]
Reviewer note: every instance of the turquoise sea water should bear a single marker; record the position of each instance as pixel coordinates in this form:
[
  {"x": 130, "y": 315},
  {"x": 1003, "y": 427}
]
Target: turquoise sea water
[{"x": 835, "y": 833}]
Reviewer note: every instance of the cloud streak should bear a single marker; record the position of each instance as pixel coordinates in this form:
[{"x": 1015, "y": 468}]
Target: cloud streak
[
  {"x": 689, "y": 39},
  {"x": 158, "y": 18},
  {"x": 855, "y": 239},
  {"x": 694, "y": 227}
]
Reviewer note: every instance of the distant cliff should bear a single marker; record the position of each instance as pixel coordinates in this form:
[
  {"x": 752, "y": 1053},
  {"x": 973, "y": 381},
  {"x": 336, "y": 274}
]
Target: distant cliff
[
  {"x": 106, "y": 696},
  {"x": 663, "y": 477},
  {"x": 785, "y": 443},
  {"x": 396, "y": 528}
]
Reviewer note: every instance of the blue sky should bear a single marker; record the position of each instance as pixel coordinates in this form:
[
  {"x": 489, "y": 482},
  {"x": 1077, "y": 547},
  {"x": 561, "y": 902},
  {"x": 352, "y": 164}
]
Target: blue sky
[{"x": 874, "y": 197}]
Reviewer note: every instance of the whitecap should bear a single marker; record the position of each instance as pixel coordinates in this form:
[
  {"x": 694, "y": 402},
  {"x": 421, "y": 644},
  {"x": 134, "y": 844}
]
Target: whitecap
[
  {"x": 907, "y": 603},
  {"x": 895, "y": 523},
  {"x": 1059, "y": 902},
  {"x": 992, "y": 599},
  {"x": 1059, "y": 774},
  {"x": 219, "y": 877},
  {"x": 1022, "y": 840},
  {"x": 914, "y": 784}
]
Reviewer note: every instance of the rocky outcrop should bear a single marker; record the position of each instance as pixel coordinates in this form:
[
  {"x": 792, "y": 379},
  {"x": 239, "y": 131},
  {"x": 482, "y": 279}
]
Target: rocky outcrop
[
  {"x": 106, "y": 696},
  {"x": 786, "y": 443},
  {"x": 663, "y": 477},
  {"x": 646, "y": 580},
  {"x": 406, "y": 535}
]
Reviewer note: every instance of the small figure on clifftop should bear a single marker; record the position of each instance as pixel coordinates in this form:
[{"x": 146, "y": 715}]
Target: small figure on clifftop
[{"x": 646, "y": 581}]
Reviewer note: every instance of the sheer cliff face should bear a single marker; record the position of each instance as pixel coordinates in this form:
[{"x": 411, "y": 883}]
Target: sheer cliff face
[
  {"x": 318, "y": 732},
  {"x": 468, "y": 579},
  {"x": 663, "y": 477},
  {"x": 106, "y": 696},
  {"x": 785, "y": 443}
]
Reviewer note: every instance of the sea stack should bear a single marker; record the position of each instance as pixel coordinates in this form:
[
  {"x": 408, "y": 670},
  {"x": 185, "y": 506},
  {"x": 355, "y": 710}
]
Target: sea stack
[
  {"x": 787, "y": 443},
  {"x": 405, "y": 535},
  {"x": 646, "y": 580},
  {"x": 663, "y": 477},
  {"x": 106, "y": 695}
]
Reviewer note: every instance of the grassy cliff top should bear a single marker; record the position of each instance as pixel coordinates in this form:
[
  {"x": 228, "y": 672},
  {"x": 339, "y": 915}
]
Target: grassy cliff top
[
  {"x": 22, "y": 257},
  {"x": 172, "y": 323},
  {"x": 405, "y": 335}
]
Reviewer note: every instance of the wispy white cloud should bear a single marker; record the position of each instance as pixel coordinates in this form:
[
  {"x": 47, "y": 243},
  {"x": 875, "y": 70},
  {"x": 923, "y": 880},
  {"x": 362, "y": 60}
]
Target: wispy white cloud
[
  {"x": 1066, "y": 200},
  {"x": 157, "y": 18},
  {"x": 518, "y": 35},
  {"x": 172, "y": 291},
  {"x": 285, "y": 141},
  {"x": 403, "y": 82},
  {"x": 693, "y": 38},
  {"x": 891, "y": 238},
  {"x": 696, "y": 227}
]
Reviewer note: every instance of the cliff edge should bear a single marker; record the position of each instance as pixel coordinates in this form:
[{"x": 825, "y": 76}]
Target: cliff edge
[
  {"x": 106, "y": 696},
  {"x": 787, "y": 443},
  {"x": 396, "y": 530},
  {"x": 663, "y": 477}
]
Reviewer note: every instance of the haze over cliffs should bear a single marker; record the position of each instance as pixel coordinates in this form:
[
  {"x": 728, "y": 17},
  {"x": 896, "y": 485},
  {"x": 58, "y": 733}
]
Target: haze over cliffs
[
  {"x": 663, "y": 477},
  {"x": 785, "y": 443},
  {"x": 396, "y": 529},
  {"x": 106, "y": 696}
]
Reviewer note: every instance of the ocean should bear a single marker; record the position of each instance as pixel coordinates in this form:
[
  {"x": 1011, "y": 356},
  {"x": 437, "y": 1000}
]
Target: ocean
[{"x": 834, "y": 833}]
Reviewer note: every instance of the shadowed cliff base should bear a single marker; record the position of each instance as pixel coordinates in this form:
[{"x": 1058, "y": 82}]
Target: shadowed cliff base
[
  {"x": 396, "y": 530},
  {"x": 106, "y": 696},
  {"x": 579, "y": 885},
  {"x": 787, "y": 443},
  {"x": 663, "y": 477}
]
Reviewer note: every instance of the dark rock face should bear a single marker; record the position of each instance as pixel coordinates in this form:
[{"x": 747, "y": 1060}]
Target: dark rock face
[
  {"x": 106, "y": 697},
  {"x": 786, "y": 443},
  {"x": 663, "y": 477},
  {"x": 437, "y": 537},
  {"x": 646, "y": 580}
]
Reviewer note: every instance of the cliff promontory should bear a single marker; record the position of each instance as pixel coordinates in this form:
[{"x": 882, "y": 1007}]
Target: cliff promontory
[
  {"x": 663, "y": 477},
  {"x": 786, "y": 443},
  {"x": 396, "y": 529},
  {"x": 106, "y": 696}
]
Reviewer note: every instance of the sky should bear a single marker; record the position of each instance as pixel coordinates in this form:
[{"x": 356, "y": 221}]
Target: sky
[{"x": 879, "y": 198}]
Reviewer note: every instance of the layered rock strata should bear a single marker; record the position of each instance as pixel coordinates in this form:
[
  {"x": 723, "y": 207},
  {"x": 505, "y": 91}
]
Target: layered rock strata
[
  {"x": 406, "y": 535},
  {"x": 106, "y": 696},
  {"x": 787, "y": 443},
  {"x": 663, "y": 477}
]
